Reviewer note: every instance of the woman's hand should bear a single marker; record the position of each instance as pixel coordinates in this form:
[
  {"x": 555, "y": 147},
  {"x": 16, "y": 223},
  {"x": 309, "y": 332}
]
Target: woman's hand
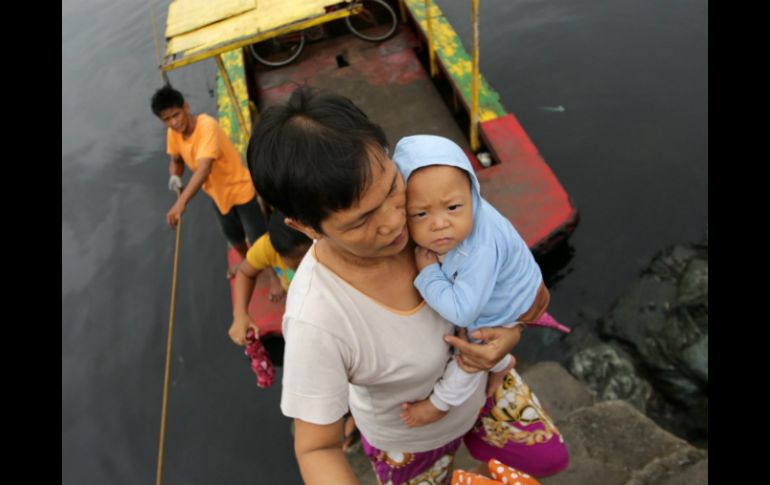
[{"x": 497, "y": 341}]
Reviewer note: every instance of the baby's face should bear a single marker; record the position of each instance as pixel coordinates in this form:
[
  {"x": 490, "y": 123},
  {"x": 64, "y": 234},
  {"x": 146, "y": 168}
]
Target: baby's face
[{"x": 439, "y": 207}]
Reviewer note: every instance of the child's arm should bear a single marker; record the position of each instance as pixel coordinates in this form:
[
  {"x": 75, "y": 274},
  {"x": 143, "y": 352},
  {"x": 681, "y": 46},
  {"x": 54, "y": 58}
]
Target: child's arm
[
  {"x": 455, "y": 386},
  {"x": 539, "y": 306},
  {"x": 276, "y": 292},
  {"x": 460, "y": 302},
  {"x": 245, "y": 280}
]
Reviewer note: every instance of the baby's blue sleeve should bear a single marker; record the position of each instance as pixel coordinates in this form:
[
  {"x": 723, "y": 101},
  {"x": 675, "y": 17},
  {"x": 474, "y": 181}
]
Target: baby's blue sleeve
[{"x": 460, "y": 302}]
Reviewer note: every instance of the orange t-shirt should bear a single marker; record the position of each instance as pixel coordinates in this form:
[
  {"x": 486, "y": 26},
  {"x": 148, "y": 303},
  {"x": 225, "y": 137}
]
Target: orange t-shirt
[{"x": 229, "y": 182}]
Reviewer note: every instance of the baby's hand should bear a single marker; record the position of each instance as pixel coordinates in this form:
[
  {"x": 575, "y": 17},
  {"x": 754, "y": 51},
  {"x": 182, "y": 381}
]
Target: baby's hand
[{"x": 424, "y": 257}]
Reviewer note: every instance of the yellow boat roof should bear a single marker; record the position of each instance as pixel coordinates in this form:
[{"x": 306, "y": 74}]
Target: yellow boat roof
[{"x": 199, "y": 29}]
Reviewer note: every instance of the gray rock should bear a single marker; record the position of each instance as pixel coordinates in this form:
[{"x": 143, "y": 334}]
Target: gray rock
[
  {"x": 640, "y": 313},
  {"x": 662, "y": 321},
  {"x": 558, "y": 391},
  {"x": 670, "y": 264},
  {"x": 696, "y": 358},
  {"x": 694, "y": 285},
  {"x": 698, "y": 474},
  {"x": 687, "y": 466},
  {"x": 615, "y": 433},
  {"x": 588, "y": 471},
  {"x": 609, "y": 372}
]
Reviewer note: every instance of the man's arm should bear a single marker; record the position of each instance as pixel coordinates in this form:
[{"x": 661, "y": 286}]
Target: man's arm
[
  {"x": 196, "y": 182},
  {"x": 319, "y": 454},
  {"x": 176, "y": 166}
]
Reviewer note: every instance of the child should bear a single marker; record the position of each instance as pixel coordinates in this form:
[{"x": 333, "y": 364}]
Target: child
[
  {"x": 281, "y": 250},
  {"x": 475, "y": 269}
]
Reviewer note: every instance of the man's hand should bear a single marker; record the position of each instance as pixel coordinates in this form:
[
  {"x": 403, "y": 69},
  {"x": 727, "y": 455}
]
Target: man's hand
[
  {"x": 424, "y": 257},
  {"x": 173, "y": 215},
  {"x": 175, "y": 183}
]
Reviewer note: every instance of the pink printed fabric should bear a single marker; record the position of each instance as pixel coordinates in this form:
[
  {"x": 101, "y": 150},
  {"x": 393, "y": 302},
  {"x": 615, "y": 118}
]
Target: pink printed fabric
[
  {"x": 512, "y": 427},
  {"x": 402, "y": 467}
]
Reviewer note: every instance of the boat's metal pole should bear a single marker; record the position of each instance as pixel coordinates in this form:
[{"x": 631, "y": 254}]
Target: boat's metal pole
[
  {"x": 233, "y": 99},
  {"x": 474, "y": 135},
  {"x": 431, "y": 48}
]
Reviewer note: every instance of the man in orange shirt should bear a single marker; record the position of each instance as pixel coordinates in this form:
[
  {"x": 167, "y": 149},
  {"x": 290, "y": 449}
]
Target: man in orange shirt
[{"x": 200, "y": 143}]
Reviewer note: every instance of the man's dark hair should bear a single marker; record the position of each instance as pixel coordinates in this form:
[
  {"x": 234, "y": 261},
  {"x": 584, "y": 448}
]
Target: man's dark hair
[
  {"x": 310, "y": 156},
  {"x": 285, "y": 240},
  {"x": 165, "y": 98}
]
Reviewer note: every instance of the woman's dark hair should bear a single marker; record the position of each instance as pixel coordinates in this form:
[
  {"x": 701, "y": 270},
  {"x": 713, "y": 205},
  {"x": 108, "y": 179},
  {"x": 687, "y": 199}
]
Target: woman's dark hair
[{"x": 311, "y": 156}]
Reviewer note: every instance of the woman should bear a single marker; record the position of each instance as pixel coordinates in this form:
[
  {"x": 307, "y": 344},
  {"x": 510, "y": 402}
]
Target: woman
[{"x": 358, "y": 334}]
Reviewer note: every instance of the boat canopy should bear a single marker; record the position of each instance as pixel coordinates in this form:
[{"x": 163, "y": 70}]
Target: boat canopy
[{"x": 199, "y": 29}]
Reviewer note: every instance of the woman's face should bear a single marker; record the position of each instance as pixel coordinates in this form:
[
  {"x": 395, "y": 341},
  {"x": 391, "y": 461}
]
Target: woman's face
[{"x": 375, "y": 226}]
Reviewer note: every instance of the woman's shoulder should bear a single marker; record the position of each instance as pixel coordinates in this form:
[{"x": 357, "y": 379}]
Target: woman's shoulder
[{"x": 314, "y": 296}]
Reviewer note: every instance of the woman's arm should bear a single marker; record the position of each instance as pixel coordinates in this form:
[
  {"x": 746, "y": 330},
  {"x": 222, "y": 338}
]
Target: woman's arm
[
  {"x": 319, "y": 454},
  {"x": 498, "y": 341}
]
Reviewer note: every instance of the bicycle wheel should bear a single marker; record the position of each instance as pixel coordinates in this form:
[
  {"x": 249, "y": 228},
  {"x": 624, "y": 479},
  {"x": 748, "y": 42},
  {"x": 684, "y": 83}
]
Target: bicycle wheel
[
  {"x": 376, "y": 21},
  {"x": 280, "y": 50}
]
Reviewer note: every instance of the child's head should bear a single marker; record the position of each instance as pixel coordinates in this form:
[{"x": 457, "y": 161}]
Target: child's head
[
  {"x": 289, "y": 243},
  {"x": 439, "y": 207},
  {"x": 441, "y": 193},
  {"x": 169, "y": 105}
]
